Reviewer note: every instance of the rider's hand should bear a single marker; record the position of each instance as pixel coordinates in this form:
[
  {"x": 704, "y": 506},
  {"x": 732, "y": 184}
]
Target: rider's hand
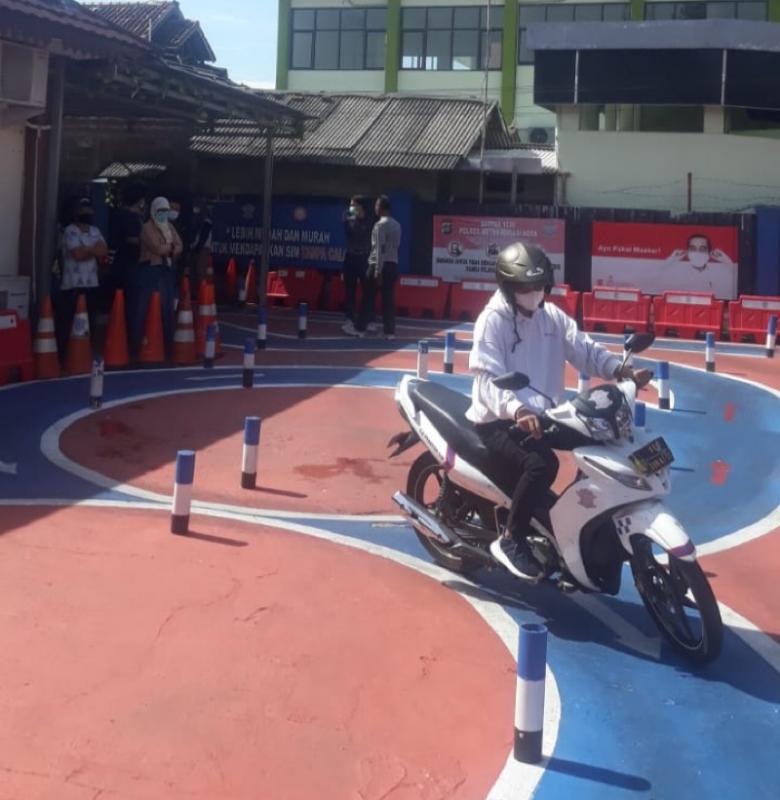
[
  {"x": 640, "y": 377},
  {"x": 528, "y": 422}
]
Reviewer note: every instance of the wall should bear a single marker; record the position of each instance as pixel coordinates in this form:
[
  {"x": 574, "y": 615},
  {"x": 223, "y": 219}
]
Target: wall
[
  {"x": 649, "y": 170},
  {"x": 450, "y": 83},
  {"x": 11, "y": 188},
  {"x": 528, "y": 115},
  {"x": 336, "y": 80}
]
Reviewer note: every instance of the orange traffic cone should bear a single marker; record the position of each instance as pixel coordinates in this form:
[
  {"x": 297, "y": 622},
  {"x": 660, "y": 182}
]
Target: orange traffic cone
[
  {"x": 231, "y": 281},
  {"x": 115, "y": 353},
  {"x": 250, "y": 286},
  {"x": 207, "y": 314},
  {"x": 184, "y": 339},
  {"x": 47, "y": 364},
  {"x": 184, "y": 289},
  {"x": 210, "y": 271},
  {"x": 152, "y": 350},
  {"x": 79, "y": 349}
]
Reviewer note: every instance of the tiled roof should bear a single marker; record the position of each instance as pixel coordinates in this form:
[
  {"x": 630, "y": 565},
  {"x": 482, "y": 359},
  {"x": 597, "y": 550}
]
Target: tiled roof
[{"x": 401, "y": 131}]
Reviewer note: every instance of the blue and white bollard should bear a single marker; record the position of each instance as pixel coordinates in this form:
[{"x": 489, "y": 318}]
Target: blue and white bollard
[
  {"x": 449, "y": 352},
  {"x": 529, "y": 695},
  {"x": 303, "y": 319},
  {"x": 422, "y": 359},
  {"x": 96, "y": 384},
  {"x": 709, "y": 352},
  {"x": 663, "y": 385},
  {"x": 583, "y": 382},
  {"x": 211, "y": 346},
  {"x": 640, "y": 415},
  {"x": 182, "y": 491},
  {"x": 249, "y": 455},
  {"x": 627, "y": 356},
  {"x": 262, "y": 327},
  {"x": 771, "y": 336},
  {"x": 248, "y": 377}
]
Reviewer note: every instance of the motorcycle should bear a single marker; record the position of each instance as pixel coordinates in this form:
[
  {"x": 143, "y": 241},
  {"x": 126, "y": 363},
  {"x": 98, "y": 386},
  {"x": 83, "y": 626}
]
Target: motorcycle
[{"x": 612, "y": 512}]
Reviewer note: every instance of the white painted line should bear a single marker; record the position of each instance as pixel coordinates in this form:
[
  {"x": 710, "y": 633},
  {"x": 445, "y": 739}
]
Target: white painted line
[
  {"x": 753, "y": 637},
  {"x": 7, "y": 469}
]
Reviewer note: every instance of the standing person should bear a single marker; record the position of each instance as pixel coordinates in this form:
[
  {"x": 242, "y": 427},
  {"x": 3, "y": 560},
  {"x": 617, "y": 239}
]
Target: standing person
[
  {"x": 126, "y": 238},
  {"x": 357, "y": 228},
  {"x": 160, "y": 247},
  {"x": 82, "y": 245},
  {"x": 382, "y": 269},
  {"x": 200, "y": 244},
  {"x": 518, "y": 331}
]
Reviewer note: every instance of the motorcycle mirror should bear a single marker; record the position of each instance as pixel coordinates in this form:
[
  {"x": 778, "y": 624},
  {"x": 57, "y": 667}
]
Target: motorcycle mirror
[
  {"x": 514, "y": 381},
  {"x": 638, "y": 342}
]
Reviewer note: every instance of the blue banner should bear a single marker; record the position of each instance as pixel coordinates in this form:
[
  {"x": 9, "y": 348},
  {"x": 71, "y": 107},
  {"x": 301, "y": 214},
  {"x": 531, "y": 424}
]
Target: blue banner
[{"x": 307, "y": 233}]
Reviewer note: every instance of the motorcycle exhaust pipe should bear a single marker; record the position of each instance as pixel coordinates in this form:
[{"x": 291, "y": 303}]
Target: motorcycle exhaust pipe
[{"x": 424, "y": 521}]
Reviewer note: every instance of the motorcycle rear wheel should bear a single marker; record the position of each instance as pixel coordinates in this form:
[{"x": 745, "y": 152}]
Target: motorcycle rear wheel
[
  {"x": 427, "y": 474},
  {"x": 669, "y": 593}
]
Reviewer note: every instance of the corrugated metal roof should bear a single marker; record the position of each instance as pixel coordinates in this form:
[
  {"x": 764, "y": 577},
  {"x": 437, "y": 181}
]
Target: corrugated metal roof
[
  {"x": 134, "y": 17},
  {"x": 398, "y": 131}
]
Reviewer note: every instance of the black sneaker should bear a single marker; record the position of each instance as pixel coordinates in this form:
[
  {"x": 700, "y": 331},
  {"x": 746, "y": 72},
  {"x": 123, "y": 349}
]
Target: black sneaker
[{"x": 516, "y": 558}]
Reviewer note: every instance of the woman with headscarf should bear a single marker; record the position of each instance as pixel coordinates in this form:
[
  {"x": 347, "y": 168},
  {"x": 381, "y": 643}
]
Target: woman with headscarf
[{"x": 160, "y": 247}]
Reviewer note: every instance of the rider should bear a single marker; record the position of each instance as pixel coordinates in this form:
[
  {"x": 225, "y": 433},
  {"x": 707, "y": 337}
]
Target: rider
[{"x": 518, "y": 331}]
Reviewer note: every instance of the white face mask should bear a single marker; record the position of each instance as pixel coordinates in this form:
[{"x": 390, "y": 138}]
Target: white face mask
[
  {"x": 173, "y": 216},
  {"x": 529, "y": 301},
  {"x": 698, "y": 259}
]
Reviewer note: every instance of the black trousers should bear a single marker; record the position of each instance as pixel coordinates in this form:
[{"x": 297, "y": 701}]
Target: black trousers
[
  {"x": 386, "y": 283},
  {"x": 523, "y": 470},
  {"x": 355, "y": 268}
]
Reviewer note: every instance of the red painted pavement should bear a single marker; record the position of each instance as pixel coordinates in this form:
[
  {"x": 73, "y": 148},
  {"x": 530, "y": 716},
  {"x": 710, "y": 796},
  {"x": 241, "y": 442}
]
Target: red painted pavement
[{"x": 245, "y": 663}]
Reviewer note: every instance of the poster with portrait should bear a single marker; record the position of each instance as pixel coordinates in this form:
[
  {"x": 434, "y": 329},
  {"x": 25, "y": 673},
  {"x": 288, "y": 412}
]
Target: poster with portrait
[
  {"x": 659, "y": 258},
  {"x": 466, "y": 247}
]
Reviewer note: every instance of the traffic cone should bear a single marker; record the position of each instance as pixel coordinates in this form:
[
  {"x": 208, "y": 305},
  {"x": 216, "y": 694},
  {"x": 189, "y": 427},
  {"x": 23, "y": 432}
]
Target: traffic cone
[
  {"x": 115, "y": 355},
  {"x": 210, "y": 271},
  {"x": 207, "y": 314},
  {"x": 79, "y": 349},
  {"x": 152, "y": 350},
  {"x": 184, "y": 353},
  {"x": 251, "y": 283},
  {"x": 184, "y": 289},
  {"x": 47, "y": 363},
  {"x": 231, "y": 281}
]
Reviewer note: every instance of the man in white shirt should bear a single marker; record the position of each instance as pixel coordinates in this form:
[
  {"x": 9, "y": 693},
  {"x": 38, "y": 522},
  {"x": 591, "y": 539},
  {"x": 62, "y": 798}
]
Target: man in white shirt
[
  {"x": 82, "y": 245},
  {"x": 518, "y": 331}
]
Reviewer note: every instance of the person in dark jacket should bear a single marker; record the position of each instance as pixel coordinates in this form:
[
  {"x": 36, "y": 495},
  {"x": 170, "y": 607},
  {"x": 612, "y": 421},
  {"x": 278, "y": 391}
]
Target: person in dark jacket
[{"x": 357, "y": 228}]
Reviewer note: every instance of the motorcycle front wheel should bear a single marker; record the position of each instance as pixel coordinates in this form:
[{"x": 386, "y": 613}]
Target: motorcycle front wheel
[
  {"x": 680, "y": 600},
  {"x": 424, "y": 483}
]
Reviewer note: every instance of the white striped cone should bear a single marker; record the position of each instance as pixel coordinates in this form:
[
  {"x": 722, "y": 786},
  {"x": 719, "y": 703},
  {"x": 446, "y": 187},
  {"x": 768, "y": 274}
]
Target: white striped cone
[
  {"x": 182, "y": 491},
  {"x": 250, "y": 452},
  {"x": 529, "y": 694}
]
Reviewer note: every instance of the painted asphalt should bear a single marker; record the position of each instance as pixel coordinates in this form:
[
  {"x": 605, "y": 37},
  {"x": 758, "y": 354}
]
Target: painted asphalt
[{"x": 636, "y": 720}]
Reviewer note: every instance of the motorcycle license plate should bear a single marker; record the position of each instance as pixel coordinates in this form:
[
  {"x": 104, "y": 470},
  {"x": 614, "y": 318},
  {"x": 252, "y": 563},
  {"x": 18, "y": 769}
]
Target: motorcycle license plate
[{"x": 653, "y": 457}]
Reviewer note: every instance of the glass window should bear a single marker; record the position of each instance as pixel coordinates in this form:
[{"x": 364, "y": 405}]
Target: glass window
[
  {"x": 467, "y": 17},
  {"x": 303, "y": 20},
  {"x": 657, "y": 11},
  {"x": 465, "y": 50},
  {"x": 751, "y": 10},
  {"x": 412, "y": 50},
  {"x": 716, "y": 9},
  {"x": 301, "y": 50},
  {"x": 438, "y": 55},
  {"x": 413, "y": 18},
  {"x": 528, "y": 16},
  {"x": 375, "y": 50},
  {"x": 590, "y": 12},
  {"x": 616, "y": 12},
  {"x": 560, "y": 13},
  {"x": 351, "y": 52},
  {"x": 328, "y": 19},
  {"x": 721, "y": 10},
  {"x": 376, "y": 19},
  {"x": 491, "y": 52},
  {"x": 353, "y": 19},
  {"x": 326, "y": 50},
  {"x": 496, "y": 17},
  {"x": 691, "y": 10},
  {"x": 439, "y": 18}
]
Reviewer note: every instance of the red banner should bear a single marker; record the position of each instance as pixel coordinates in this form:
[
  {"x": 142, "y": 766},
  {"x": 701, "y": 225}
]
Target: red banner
[
  {"x": 659, "y": 258},
  {"x": 466, "y": 247}
]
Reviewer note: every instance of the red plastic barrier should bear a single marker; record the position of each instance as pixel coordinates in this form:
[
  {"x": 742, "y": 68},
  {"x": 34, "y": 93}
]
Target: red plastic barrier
[
  {"x": 615, "y": 309},
  {"x": 421, "y": 296},
  {"x": 15, "y": 348},
  {"x": 749, "y": 317},
  {"x": 301, "y": 286},
  {"x": 337, "y": 292},
  {"x": 688, "y": 314},
  {"x": 468, "y": 298},
  {"x": 562, "y": 296}
]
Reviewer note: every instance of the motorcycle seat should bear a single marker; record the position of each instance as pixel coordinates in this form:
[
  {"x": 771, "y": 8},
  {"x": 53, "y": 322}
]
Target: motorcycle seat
[{"x": 446, "y": 409}]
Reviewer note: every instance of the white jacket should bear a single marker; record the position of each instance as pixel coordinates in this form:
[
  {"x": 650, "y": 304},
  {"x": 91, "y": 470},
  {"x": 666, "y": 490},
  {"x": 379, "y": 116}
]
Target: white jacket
[{"x": 548, "y": 340}]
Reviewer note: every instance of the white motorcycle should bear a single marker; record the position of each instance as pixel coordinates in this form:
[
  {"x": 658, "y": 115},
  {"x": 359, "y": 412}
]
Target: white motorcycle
[{"x": 609, "y": 514}]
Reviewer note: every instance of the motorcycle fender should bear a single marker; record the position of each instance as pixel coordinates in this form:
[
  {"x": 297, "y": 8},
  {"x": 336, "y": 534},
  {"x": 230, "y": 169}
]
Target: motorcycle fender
[{"x": 657, "y": 523}]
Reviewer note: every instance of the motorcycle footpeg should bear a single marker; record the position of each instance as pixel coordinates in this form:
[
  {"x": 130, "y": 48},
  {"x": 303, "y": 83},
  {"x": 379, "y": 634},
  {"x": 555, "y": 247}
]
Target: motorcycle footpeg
[{"x": 565, "y": 586}]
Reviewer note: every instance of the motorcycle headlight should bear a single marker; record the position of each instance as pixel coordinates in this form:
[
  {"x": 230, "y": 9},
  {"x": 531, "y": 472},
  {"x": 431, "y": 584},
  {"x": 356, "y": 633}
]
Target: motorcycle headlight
[{"x": 600, "y": 429}]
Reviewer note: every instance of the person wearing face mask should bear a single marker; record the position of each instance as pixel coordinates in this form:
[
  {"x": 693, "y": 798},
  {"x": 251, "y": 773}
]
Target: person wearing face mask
[
  {"x": 82, "y": 246},
  {"x": 518, "y": 331},
  {"x": 709, "y": 269},
  {"x": 160, "y": 247}
]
